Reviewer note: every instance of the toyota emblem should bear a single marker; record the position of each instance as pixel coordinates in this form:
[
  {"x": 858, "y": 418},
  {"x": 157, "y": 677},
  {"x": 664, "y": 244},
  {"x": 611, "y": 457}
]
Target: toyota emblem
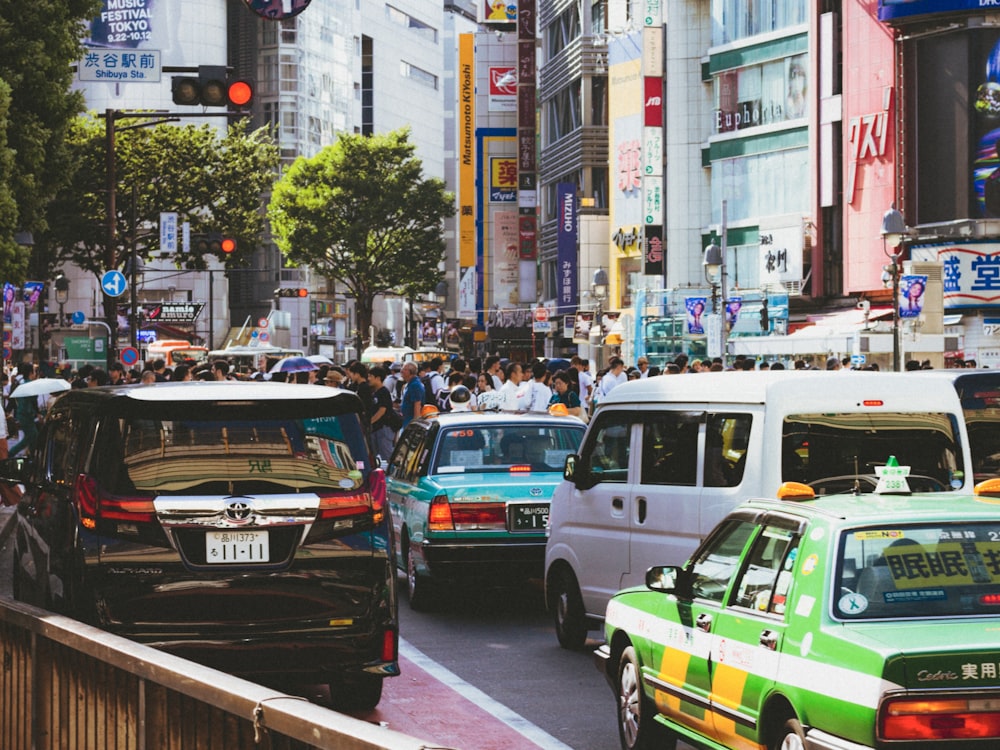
[{"x": 238, "y": 511}]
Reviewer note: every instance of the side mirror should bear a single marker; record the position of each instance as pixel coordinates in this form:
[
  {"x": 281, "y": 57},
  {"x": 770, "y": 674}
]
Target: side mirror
[
  {"x": 569, "y": 468},
  {"x": 578, "y": 475},
  {"x": 665, "y": 578}
]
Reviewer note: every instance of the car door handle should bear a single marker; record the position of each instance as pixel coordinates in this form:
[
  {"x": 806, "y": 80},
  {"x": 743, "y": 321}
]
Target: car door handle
[
  {"x": 704, "y": 622},
  {"x": 618, "y": 504},
  {"x": 640, "y": 509},
  {"x": 769, "y": 640}
]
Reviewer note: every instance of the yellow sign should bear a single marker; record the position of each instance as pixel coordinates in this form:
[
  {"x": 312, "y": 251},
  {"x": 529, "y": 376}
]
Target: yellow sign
[{"x": 948, "y": 564}]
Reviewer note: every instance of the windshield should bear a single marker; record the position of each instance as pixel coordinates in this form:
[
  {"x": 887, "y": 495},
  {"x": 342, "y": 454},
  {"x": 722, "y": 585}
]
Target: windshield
[
  {"x": 839, "y": 452},
  {"x": 499, "y": 448},
  {"x": 232, "y": 456},
  {"x": 919, "y": 571}
]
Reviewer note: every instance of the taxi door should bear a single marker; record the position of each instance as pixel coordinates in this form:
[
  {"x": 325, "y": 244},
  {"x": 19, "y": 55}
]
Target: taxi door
[
  {"x": 683, "y": 680},
  {"x": 747, "y": 633}
]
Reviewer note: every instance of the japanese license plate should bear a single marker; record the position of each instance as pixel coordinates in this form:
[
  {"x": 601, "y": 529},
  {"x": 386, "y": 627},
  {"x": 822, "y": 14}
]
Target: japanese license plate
[
  {"x": 529, "y": 517},
  {"x": 231, "y": 547}
]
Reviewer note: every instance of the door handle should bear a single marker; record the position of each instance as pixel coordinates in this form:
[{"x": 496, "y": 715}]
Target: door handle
[
  {"x": 704, "y": 622},
  {"x": 769, "y": 640},
  {"x": 618, "y": 503},
  {"x": 640, "y": 509}
]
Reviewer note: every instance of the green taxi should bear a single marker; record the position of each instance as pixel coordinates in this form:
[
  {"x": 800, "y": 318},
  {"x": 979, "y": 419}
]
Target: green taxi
[
  {"x": 839, "y": 622},
  {"x": 469, "y": 496}
]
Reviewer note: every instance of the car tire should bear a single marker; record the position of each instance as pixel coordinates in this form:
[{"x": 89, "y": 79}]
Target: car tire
[
  {"x": 418, "y": 586},
  {"x": 637, "y": 727},
  {"x": 791, "y": 737},
  {"x": 566, "y": 604},
  {"x": 361, "y": 693}
]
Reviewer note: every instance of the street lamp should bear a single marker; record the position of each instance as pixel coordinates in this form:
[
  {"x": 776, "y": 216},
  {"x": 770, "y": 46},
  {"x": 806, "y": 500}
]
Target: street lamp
[
  {"x": 894, "y": 231},
  {"x": 599, "y": 290},
  {"x": 62, "y": 296}
]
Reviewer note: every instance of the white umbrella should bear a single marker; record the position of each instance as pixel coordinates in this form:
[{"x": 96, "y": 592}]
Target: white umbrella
[
  {"x": 40, "y": 386},
  {"x": 319, "y": 359}
]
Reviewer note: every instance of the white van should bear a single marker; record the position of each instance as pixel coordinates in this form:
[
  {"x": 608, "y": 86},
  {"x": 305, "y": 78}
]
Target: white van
[{"x": 665, "y": 458}]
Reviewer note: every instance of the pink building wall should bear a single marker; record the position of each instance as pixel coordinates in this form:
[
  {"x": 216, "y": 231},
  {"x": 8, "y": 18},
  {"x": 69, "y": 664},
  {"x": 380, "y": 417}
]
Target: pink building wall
[{"x": 869, "y": 142}]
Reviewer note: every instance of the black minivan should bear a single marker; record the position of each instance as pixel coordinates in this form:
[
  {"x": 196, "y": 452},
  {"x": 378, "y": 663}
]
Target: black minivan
[{"x": 241, "y": 525}]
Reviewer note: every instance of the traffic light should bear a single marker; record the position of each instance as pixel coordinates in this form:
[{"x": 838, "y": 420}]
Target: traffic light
[
  {"x": 212, "y": 87},
  {"x": 291, "y": 292},
  {"x": 213, "y": 242},
  {"x": 765, "y": 320}
]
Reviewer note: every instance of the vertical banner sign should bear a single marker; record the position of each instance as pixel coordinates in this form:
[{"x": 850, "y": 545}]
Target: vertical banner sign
[
  {"x": 466, "y": 152},
  {"x": 653, "y": 250},
  {"x": 168, "y": 232},
  {"x": 17, "y": 338},
  {"x": 566, "y": 243},
  {"x": 911, "y": 295},
  {"x": 527, "y": 201}
]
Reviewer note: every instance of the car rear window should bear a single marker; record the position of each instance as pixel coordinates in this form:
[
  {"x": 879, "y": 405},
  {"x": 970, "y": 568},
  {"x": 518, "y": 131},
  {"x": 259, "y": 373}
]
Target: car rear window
[
  {"x": 232, "y": 453},
  {"x": 500, "y": 448},
  {"x": 830, "y": 450},
  {"x": 919, "y": 571}
]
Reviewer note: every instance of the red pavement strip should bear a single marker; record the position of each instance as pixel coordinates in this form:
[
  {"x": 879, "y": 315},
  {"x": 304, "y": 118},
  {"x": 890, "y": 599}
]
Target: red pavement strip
[{"x": 422, "y": 706}]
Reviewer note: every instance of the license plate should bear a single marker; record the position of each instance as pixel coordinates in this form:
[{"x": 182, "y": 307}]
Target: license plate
[
  {"x": 529, "y": 517},
  {"x": 231, "y": 547}
]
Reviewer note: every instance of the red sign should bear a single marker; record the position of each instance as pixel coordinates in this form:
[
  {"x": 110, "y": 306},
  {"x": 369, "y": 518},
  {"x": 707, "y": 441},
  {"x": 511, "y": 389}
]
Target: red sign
[
  {"x": 542, "y": 314},
  {"x": 503, "y": 81},
  {"x": 653, "y": 108},
  {"x": 129, "y": 356}
]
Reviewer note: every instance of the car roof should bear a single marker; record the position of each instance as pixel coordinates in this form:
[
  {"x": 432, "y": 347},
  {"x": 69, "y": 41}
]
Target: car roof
[
  {"x": 198, "y": 390},
  {"x": 492, "y": 418},
  {"x": 870, "y": 508}
]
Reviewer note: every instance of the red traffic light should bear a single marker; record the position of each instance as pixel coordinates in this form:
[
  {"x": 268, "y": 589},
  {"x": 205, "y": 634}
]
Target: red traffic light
[
  {"x": 240, "y": 92},
  {"x": 303, "y": 292},
  {"x": 227, "y": 245}
]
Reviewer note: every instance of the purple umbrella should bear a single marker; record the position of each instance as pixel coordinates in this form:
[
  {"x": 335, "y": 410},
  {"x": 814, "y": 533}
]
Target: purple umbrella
[{"x": 293, "y": 364}]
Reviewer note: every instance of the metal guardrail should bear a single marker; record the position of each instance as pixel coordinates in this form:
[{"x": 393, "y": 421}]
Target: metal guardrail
[{"x": 67, "y": 686}]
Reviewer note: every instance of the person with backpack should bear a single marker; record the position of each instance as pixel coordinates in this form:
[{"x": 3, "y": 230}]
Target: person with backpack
[{"x": 455, "y": 379}]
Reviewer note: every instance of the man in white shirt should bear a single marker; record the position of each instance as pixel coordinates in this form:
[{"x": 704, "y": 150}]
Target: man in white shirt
[
  {"x": 614, "y": 377},
  {"x": 511, "y": 389},
  {"x": 537, "y": 395}
]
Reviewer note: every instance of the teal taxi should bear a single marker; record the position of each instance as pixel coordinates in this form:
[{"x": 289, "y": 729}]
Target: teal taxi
[
  {"x": 469, "y": 496},
  {"x": 839, "y": 622}
]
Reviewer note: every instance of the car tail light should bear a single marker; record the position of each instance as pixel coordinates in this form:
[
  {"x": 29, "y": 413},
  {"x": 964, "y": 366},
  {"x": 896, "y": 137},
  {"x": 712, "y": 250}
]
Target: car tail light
[
  {"x": 94, "y": 504},
  {"x": 390, "y": 644},
  {"x": 439, "y": 518},
  {"x": 479, "y": 516},
  {"x": 337, "y": 505},
  {"x": 941, "y": 719},
  {"x": 520, "y": 468}
]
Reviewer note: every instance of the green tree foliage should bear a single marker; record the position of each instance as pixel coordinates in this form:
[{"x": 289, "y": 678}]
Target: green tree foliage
[
  {"x": 361, "y": 212},
  {"x": 212, "y": 181},
  {"x": 40, "y": 42}
]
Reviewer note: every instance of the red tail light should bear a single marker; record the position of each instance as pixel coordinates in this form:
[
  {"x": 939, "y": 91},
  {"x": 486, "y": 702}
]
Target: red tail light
[
  {"x": 96, "y": 504},
  {"x": 439, "y": 518},
  {"x": 338, "y": 505},
  {"x": 390, "y": 644},
  {"x": 943, "y": 719},
  {"x": 520, "y": 468}
]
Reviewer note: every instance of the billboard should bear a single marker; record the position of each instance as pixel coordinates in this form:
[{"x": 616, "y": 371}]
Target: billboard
[{"x": 891, "y": 10}]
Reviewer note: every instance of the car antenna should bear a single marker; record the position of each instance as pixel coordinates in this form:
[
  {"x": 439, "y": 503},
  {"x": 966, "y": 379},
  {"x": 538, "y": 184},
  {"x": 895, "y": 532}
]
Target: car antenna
[{"x": 857, "y": 477}]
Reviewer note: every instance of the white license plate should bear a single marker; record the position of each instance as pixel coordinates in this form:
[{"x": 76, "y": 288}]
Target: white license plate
[
  {"x": 529, "y": 517},
  {"x": 230, "y": 547}
]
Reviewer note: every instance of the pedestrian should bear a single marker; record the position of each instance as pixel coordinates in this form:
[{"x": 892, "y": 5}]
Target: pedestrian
[
  {"x": 563, "y": 394},
  {"x": 487, "y": 398},
  {"x": 25, "y": 412},
  {"x": 642, "y": 364},
  {"x": 511, "y": 389},
  {"x": 414, "y": 395},
  {"x": 614, "y": 377},
  {"x": 383, "y": 436},
  {"x": 537, "y": 394},
  {"x": 358, "y": 374}
]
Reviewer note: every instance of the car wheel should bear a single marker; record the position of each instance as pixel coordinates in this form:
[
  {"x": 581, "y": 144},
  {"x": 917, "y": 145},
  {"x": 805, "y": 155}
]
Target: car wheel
[
  {"x": 567, "y": 610},
  {"x": 361, "y": 693},
  {"x": 418, "y": 587},
  {"x": 791, "y": 737},
  {"x": 637, "y": 727}
]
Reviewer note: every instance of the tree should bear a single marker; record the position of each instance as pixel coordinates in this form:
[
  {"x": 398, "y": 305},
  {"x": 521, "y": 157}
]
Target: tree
[
  {"x": 41, "y": 41},
  {"x": 361, "y": 212},
  {"x": 213, "y": 181}
]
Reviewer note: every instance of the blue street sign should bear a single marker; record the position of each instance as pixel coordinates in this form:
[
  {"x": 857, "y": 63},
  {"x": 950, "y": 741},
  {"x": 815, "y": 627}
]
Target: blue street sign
[
  {"x": 79, "y": 318},
  {"x": 113, "y": 283}
]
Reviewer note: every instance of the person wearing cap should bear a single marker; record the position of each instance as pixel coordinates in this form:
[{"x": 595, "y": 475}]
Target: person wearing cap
[
  {"x": 334, "y": 378},
  {"x": 642, "y": 364}
]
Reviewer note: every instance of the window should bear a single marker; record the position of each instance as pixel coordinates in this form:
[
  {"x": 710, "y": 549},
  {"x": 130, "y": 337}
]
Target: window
[
  {"x": 756, "y": 95},
  {"x": 418, "y": 74},
  {"x": 404, "y": 19},
  {"x": 670, "y": 448},
  {"x": 764, "y": 583},
  {"x": 765, "y": 184},
  {"x": 726, "y": 439},
  {"x": 606, "y": 455},
  {"x": 719, "y": 560},
  {"x": 737, "y": 19}
]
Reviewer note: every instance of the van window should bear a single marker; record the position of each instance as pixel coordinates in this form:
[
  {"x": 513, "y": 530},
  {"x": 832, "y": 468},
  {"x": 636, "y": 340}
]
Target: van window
[
  {"x": 727, "y": 437},
  {"x": 824, "y": 447},
  {"x": 670, "y": 448},
  {"x": 980, "y": 396},
  {"x": 607, "y": 451}
]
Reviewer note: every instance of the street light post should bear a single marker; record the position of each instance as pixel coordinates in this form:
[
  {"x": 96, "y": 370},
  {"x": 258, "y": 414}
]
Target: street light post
[
  {"x": 715, "y": 268},
  {"x": 894, "y": 232}
]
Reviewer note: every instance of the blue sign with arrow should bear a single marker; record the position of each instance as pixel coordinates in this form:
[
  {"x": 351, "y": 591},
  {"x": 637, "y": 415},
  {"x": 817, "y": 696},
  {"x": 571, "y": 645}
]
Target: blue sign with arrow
[{"x": 113, "y": 283}]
